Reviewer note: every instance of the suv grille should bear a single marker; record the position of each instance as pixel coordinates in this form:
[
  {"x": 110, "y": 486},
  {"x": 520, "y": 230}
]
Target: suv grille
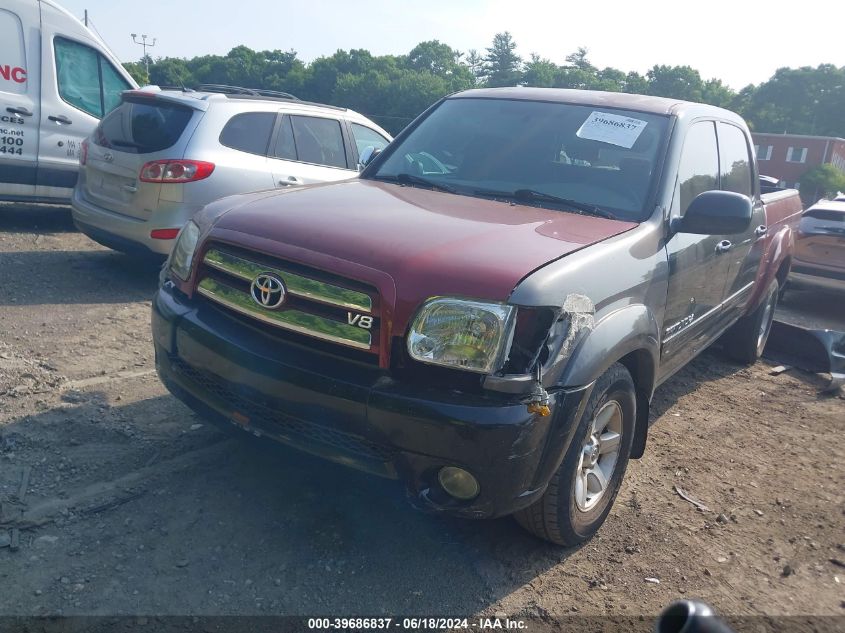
[{"x": 312, "y": 305}]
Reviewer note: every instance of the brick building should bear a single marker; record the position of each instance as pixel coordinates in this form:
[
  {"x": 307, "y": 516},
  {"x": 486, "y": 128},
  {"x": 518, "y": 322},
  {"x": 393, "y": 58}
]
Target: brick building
[{"x": 787, "y": 157}]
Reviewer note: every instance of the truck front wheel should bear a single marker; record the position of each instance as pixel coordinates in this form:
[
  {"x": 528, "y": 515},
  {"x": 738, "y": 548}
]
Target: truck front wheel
[
  {"x": 746, "y": 339},
  {"x": 581, "y": 492}
]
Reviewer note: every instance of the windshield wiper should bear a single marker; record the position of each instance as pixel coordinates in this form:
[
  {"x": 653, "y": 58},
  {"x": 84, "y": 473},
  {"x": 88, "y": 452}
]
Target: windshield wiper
[
  {"x": 532, "y": 195},
  {"x": 411, "y": 179}
]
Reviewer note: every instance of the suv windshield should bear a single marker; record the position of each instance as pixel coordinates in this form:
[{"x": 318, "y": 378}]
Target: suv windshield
[
  {"x": 585, "y": 159},
  {"x": 143, "y": 126}
]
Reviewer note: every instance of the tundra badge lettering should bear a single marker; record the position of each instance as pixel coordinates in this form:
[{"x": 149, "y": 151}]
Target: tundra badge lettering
[{"x": 361, "y": 321}]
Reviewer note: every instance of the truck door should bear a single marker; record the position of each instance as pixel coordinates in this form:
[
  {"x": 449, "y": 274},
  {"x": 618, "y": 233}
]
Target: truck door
[
  {"x": 79, "y": 84},
  {"x": 698, "y": 265},
  {"x": 747, "y": 248},
  {"x": 19, "y": 99}
]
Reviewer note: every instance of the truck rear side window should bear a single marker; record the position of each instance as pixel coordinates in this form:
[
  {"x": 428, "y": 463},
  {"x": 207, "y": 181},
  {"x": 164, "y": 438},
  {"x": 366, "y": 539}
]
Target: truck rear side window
[
  {"x": 734, "y": 164},
  {"x": 249, "y": 132},
  {"x": 143, "y": 126}
]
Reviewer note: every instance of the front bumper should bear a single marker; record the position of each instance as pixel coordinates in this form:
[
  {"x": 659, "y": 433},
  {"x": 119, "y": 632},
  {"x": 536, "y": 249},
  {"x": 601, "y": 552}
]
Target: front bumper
[{"x": 356, "y": 414}]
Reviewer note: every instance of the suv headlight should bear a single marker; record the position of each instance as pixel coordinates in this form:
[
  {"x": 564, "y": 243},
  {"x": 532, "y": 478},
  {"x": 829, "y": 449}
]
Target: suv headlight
[
  {"x": 468, "y": 335},
  {"x": 183, "y": 251}
]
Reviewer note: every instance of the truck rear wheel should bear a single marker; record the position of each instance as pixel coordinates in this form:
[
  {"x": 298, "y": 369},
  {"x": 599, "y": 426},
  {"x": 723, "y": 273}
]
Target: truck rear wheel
[
  {"x": 746, "y": 339},
  {"x": 581, "y": 492}
]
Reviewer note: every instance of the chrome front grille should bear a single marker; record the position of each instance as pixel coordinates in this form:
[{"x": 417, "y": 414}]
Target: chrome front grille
[{"x": 313, "y": 306}]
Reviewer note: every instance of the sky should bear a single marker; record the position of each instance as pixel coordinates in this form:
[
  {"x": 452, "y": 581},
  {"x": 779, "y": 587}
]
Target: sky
[{"x": 735, "y": 41}]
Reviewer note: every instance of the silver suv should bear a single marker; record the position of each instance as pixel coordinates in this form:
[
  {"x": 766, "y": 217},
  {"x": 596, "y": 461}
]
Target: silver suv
[{"x": 161, "y": 155}]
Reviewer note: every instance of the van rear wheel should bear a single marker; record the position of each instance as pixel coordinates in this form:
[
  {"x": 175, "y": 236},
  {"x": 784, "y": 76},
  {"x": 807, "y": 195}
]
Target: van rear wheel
[{"x": 581, "y": 492}]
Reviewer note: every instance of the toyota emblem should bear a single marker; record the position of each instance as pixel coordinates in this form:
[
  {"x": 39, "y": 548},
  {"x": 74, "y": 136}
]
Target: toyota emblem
[{"x": 268, "y": 291}]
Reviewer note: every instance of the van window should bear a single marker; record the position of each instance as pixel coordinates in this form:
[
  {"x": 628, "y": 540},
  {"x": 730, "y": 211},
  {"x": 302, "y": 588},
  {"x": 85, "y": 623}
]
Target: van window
[
  {"x": 143, "y": 126},
  {"x": 319, "y": 141},
  {"x": 699, "y": 168},
  {"x": 13, "y": 60},
  {"x": 113, "y": 85},
  {"x": 249, "y": 132},
  {"x": 365, "y": 137},
  {"x": 734, "y": 164},
  {"x": 85, "y": 79}
]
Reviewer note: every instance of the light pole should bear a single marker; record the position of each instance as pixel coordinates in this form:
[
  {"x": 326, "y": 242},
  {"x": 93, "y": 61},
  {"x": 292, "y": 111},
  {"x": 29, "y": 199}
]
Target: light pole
[{"x": 146, "y": 45}]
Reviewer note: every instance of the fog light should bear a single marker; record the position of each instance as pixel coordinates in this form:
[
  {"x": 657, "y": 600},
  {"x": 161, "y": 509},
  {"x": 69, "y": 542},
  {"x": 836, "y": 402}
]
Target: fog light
[{"x": 458, "y": 483}]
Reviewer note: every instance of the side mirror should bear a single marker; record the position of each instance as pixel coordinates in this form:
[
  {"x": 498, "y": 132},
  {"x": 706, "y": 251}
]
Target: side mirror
[
  {"x": 367, "y": 156},
  {"x": 716, "y": 213}
]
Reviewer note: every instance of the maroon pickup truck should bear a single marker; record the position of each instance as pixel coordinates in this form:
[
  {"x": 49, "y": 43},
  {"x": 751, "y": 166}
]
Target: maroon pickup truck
[{"x": 487, "y": 310}]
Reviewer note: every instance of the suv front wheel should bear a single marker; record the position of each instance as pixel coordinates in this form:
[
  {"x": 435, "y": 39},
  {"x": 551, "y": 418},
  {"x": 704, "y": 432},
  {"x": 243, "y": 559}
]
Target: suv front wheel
[{"x": 581, "y": 492}]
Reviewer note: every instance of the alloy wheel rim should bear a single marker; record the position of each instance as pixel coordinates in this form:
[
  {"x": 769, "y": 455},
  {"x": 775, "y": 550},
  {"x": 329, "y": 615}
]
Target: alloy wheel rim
[{"x": 598, "y": 457}]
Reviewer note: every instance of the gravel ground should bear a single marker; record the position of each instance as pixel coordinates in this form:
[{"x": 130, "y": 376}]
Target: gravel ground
[{"x": 133, "y": 505}]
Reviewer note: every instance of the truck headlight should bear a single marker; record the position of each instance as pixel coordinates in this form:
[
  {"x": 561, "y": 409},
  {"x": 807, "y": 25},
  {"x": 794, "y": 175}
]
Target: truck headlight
[
  {"x": 183, "y": 251},
  {"x": 463, "y": 334}
]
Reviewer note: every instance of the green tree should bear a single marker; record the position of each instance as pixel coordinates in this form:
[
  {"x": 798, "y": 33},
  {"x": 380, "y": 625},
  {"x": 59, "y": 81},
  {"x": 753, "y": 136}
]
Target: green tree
[
  {"x": 677, "y": 82},
  {"x": 171, "y": 71},
  {"x": 579, "y": 59},
  {"x": 502, "y": 66},
  {"x": 540, "y": 72},
  {"x": 138, "y": 72},
  {"x": 800, "y": 101},
  {"x": 822, "y": 181},
  {"x": 475, "y": 63},
  {"x": 716, "y": 93}
]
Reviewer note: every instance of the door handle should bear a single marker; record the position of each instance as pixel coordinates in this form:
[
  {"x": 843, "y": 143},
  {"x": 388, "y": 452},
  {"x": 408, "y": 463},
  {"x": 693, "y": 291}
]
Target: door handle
[
  {"x": 290, "y": 180},
  {"x": 18, "y": 110},
  {"x": 130, "y": 188},
  {"x": 761, "y": 230},
  {"x": 60, "y": 119},
  {"x": 724, "y": 246}
]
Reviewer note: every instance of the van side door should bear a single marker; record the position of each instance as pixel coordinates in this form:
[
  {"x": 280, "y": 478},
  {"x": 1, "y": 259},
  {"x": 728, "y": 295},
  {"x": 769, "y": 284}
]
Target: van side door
[
  {"x": 19, "y": 105},
  {"x": 698, "y": 265},
  {"x": 746, "y": 248},
  {"x": 79, "y": 85}
]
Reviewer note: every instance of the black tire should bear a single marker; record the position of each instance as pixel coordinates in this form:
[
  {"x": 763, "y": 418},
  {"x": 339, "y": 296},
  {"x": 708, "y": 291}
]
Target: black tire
[
  {"x": 556, "y": 516},
  {"x": 746, "y": 339}
]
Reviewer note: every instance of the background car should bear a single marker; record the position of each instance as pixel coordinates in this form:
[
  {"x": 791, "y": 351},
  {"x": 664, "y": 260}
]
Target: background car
[
  {"x": 820, "y": 246},
  {"x": 161, "y": 155}
]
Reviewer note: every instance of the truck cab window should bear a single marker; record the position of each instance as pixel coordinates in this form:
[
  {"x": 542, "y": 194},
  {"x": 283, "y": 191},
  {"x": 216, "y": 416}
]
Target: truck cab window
[
  {"x": 698, "y": 170},
  {"x": 734, "y": 162},
  {"x": 85, "y": 79}
]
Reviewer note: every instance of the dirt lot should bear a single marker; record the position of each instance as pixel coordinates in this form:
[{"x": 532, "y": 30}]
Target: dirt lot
[{"x": 135, "y": 506}]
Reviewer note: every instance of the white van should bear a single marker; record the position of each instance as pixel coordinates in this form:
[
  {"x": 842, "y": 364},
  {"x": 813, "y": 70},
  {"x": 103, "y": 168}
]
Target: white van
[{"x": 57, "y": 80}]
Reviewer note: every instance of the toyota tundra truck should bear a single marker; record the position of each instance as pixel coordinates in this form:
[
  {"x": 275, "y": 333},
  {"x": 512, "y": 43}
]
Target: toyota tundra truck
[{"x": 485, "y": 313}]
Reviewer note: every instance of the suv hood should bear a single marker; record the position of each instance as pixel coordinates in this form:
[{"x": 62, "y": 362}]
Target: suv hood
[{"x": 412, "y": 243}]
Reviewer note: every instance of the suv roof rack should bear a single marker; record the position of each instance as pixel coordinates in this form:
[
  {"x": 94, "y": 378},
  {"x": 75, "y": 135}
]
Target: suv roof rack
[{"x": 241, "y": 91}]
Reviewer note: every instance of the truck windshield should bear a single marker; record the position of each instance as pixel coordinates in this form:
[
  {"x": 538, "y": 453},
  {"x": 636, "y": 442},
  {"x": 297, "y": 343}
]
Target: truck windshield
[{"x": 582, "y": 159}]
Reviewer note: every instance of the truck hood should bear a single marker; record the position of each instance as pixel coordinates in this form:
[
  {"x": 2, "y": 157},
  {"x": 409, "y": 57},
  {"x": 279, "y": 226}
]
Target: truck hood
[{"x": 411, "y": 243}]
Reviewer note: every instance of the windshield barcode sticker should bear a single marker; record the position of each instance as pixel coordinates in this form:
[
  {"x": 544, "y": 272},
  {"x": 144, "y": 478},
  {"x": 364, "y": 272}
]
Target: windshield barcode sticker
[{"x": 622, "y": 131}]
